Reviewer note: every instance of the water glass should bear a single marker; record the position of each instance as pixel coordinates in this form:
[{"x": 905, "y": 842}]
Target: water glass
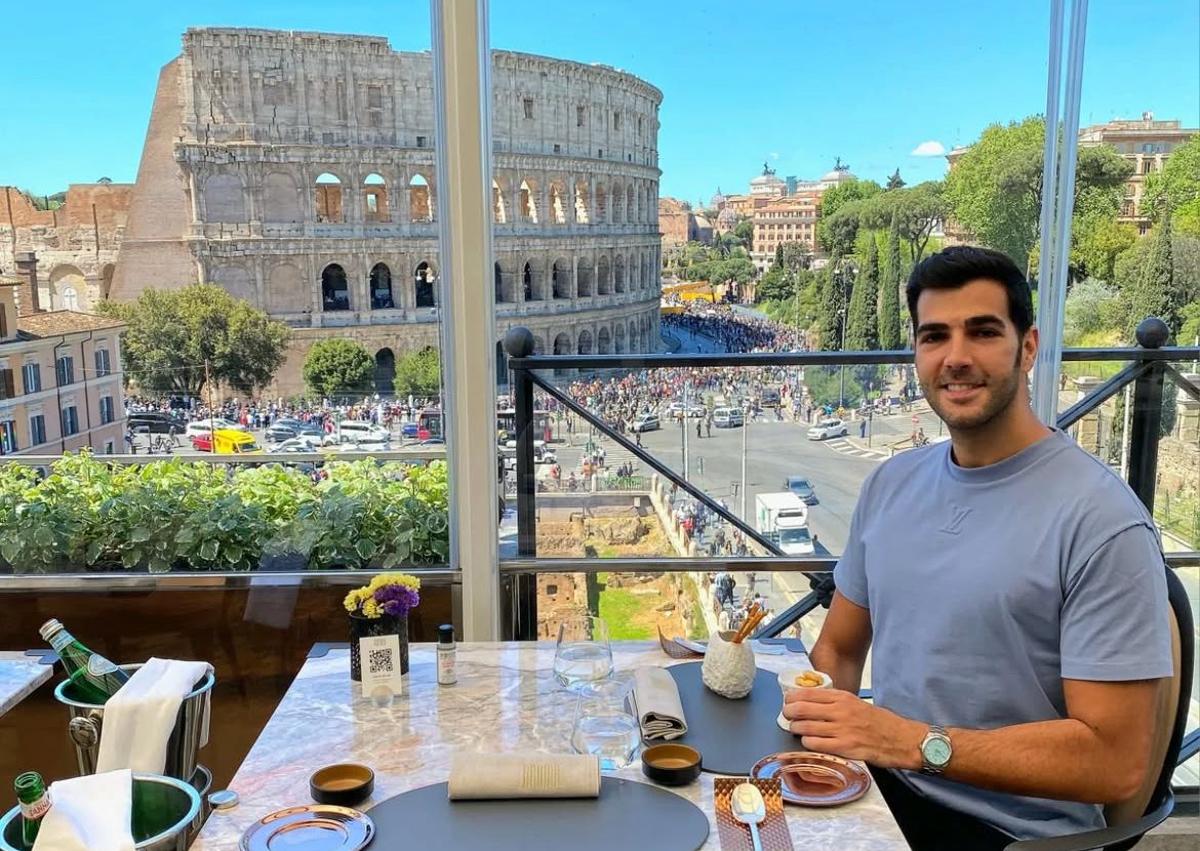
[
  {"x": 583, "y": 653},
  {"x": 604, "y": 726}
]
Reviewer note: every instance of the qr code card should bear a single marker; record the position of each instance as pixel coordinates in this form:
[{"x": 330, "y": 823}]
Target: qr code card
[{"x": 380, "y": 663}]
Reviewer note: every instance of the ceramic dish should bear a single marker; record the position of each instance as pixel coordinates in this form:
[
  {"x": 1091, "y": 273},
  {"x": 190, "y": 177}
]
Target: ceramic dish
[
  {"x": 345, "y": 784},
  {"x": 671, "y": 765},
  {"x": 321, "y": 827},
  {"x": 815, "y": 779}
]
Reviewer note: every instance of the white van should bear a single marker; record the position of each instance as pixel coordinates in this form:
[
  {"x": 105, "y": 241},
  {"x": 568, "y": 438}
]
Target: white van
[
  {"x": 355, "y": 431},
  {"x": 727, "y": 418}
]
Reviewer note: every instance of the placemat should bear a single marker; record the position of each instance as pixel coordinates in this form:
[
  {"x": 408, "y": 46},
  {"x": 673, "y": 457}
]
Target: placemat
[
  {"x": 731, "y": 735},
  {"x": 735, "y": 836},
  {"x": 641, "y": 815}
]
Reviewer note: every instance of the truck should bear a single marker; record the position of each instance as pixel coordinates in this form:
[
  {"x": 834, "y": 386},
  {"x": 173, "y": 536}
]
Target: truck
[{"x": 782, "y": 518}]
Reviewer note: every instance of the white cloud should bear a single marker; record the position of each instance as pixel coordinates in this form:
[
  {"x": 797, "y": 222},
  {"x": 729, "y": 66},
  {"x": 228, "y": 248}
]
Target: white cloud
[
  {"x": 931, "y": 148},
  {"x": 774, "y": 155}
]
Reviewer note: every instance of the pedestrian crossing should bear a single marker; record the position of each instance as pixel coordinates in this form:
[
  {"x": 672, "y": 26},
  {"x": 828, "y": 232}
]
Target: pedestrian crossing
[{"x": 845, "y": 447}]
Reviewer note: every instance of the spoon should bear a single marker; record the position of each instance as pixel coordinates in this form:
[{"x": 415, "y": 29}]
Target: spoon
[{"x": 748, "y": 807}]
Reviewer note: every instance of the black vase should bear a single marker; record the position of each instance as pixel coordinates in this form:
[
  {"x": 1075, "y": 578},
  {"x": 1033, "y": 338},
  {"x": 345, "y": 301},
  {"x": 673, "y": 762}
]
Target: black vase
[{"x": 361, "y": 627}]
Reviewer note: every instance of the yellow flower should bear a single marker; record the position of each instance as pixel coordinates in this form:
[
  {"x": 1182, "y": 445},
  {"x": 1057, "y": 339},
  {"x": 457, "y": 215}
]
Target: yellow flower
[
  {"x": 371, "y": 608},
  {"x": 404, "y": 579},
  {"x": 355, "y": 599}
]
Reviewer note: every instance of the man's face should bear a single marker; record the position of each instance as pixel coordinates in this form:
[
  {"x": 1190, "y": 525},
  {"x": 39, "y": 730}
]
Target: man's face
[{"x": 970, "y": 360}]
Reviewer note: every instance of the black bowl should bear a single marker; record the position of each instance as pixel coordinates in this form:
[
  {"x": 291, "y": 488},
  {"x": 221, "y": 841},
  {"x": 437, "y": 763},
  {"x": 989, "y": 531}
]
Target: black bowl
[
  {"x": 671, "y": 765},
  {"x": 345, "y": 784}
]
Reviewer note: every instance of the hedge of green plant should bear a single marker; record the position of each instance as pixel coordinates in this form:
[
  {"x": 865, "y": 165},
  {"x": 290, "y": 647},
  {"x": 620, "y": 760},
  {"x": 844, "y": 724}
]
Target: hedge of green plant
[{"x": 88, "y": 515}]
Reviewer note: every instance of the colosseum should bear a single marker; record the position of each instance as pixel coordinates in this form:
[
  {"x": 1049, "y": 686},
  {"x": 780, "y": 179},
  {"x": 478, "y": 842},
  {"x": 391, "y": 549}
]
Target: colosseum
[{"x": 296, "y": 170}]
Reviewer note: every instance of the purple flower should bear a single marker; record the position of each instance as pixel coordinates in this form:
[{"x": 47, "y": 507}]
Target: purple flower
[{"x": 397, "y": 600}]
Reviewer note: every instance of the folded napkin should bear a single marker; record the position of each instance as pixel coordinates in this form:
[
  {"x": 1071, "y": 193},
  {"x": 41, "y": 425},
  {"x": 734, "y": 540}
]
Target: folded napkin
[
  {"x": 90, "y": 813},
  {"x": 535, "y": 775},
  {"x": 660, "y": 713},
  {"x": 139, "y": 719}
]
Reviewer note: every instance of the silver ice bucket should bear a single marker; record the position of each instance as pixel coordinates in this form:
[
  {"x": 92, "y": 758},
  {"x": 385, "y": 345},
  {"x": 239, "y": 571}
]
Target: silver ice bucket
[
  {"x": 190, "y": 733},
  {"x": 165, "y": 816}
]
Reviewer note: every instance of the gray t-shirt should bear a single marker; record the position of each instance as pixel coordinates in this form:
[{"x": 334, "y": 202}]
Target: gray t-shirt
[{"x": 988, "y": 586}]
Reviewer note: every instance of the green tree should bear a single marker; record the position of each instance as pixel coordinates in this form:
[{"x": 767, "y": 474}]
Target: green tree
[
  {"x": 917, "y": 210},
  {"x": 338, "y": 368},
  {"x": 836, "y": 198},
  {"x": 1177, "y": 188},
  {"x": 776, "y": 285},
  {"x": 744, "y": 231},
  {"x": 862, "y": 332},
  {"x": 895, "y": 181},
  {"x": 1156, "y": 292},
  {"x": 1097, "y": 240},
  {"x": 779, "y": 255},
  {"x": 995, "y": 189},
  {"x": 173, "y": 334},
  {"x": 889, "y": 301},
  {"x": 839, "y": 232},
  {"x": 832, "y": 313},
  {"x": 419, "y": 373}
]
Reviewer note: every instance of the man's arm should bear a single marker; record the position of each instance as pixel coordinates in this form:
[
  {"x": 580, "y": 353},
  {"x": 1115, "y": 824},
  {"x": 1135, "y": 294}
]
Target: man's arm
[
  {"x": 1099, "y": 754},
  {"x": 841, "y": 651}
]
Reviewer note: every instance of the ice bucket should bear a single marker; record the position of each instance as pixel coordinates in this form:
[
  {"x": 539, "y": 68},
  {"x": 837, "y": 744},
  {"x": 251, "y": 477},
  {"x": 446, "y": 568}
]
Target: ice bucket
[
  {"x": 165, "y": 816},
  {"x": 190, "y": 734}
]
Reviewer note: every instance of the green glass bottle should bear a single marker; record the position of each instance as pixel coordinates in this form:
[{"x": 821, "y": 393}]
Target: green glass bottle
[
  {"x": 95, "y": 679},
  {"x": 34, "y": 801}
]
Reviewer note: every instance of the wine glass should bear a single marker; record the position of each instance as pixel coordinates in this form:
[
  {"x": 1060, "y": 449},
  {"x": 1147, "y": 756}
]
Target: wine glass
[
  {"x": 583, "y": 653},
  {"x": 604, "y": 726}
]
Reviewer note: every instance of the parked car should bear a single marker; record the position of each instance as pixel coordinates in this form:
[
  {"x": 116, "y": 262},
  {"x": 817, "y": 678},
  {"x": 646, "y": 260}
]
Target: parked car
[
  {"x": 280, "y": 432},
  {"x": 207, "y": 424},
  {"x": 153, "y": 422},
  {"x": 226, "y": 441},
  {"x": 297, "y": 444},
  {"x": 646, "y": 422},
  {"x": 728, "y": 418},
  {"x": 828, "y": 428},
  {"x": 802, "y": 488},
  {"x": 355, "y": 431},
  {"x": 768, "y": 397},
  {"x": 409, "y": 430}
]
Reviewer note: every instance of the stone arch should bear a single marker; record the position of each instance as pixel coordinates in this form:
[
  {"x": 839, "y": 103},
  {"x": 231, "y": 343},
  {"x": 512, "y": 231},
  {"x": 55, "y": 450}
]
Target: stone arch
[
  {"x": 583, "y": 277},
  {"x": 603, "y": 276},
  {"x": 424, "y": 289},
  {"x": 385, "y": 372},
  {"x": 335, "y": 291},
  {"x": 539, "y": 346},
  {"x": 562, "y": 346},
  {"x": 585, "y": 343},
  {"x": 329, "y": 198},
  {"x": 582, "y": 209},
  {"x": 286, "y": 291},
  {"x": 66, "y": 282},
  {"x": 375, "y": 199},
  {"x": 631, "y": 205},
  {"x": 224, "y": 200},
  {"x": 499, "y": 206},
  {"x": 558, "y": 208},
  {"x": 381, "y": 287},
  {"x": 106, "y": 279},
  {"x": 633, "y": 336},
  {"x": 281, "y": 199},
  {"x": 527, "y": 201},
  {"x": 619, "y": 272},
  {"x": 529, "y": 283},
  {"x": 560, "y": 278},
  {"x": 604, "y": 341},
  {"x": 619, "y": 338},
  {"x": 498, "y": 283},
  {"x": 601, "y": 204},
  {"x": 618, "y": 204},
  {"x": 420, "y": 199}
]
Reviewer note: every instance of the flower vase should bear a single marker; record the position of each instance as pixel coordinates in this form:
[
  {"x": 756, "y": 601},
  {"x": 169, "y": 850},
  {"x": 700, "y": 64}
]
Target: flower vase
[
  {"x": 728, "y": 669},
  {"x": 363, "y": 627}
]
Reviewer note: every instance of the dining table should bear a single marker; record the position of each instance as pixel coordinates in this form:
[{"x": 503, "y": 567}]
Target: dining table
[
  {"x": 20, "y": 675},
  {"x": 506, "y": 699}
]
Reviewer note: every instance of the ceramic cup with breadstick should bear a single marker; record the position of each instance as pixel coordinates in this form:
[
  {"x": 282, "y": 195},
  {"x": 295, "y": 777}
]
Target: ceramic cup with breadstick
[{"x": 794, "y": 679}]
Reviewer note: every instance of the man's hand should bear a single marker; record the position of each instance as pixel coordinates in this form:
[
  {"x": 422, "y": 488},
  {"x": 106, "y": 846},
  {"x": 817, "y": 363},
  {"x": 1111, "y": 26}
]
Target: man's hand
[{"x": 840, "y": 723}]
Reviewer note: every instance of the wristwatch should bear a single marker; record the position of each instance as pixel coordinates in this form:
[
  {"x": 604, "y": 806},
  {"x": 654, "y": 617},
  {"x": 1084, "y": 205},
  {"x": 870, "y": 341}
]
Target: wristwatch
[{"x": 936, "y": 750}]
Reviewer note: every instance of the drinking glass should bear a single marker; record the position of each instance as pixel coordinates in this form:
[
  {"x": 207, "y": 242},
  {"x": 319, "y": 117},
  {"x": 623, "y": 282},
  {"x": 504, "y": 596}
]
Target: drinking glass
[
  {"x": 604, "y": 726},
  {"x": 583, "y": 654}
]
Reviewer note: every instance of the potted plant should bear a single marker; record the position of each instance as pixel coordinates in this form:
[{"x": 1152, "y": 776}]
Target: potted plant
[{"x": 381, "y": 608}]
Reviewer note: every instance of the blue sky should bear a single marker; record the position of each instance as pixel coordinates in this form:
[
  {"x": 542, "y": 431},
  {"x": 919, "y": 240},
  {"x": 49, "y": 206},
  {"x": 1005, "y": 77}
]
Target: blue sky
[{"x": 790, "y": 82}]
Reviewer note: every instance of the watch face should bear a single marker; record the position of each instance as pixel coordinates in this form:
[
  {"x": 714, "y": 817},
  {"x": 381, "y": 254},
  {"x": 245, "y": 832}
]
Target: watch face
[{"x": 937, "y": 751}]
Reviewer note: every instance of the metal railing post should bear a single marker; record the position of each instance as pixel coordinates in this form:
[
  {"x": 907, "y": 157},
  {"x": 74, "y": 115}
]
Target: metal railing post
[
  {"x": 1152, "y": 333},
  {"x": 518, "y": 343}
]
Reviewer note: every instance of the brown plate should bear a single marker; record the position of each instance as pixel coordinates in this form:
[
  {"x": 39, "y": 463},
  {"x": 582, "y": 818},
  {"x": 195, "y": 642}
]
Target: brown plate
[
  {"x": 322, "y": 827},
  {"x": 815, "y": 779}
]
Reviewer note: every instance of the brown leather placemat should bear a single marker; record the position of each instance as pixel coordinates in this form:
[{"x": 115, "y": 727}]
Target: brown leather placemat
[{"x": 735, "y": 836}]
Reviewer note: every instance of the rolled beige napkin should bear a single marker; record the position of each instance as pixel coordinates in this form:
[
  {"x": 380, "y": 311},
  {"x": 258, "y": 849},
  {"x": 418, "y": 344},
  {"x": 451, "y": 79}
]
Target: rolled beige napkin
[
  {"x": 536, "y": 775},
  {"x": 660, "y": 712}
]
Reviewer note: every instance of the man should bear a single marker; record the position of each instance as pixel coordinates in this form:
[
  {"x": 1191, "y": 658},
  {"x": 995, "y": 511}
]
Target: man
[{"x": 1013, "y": 590}]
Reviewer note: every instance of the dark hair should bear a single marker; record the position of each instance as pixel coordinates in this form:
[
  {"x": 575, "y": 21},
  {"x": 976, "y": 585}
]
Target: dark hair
[{"x": 957, "y": 265}]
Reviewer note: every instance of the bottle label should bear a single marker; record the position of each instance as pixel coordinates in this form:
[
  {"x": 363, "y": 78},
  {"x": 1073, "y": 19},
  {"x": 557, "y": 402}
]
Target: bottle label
[
  {"x": 34, "y": 811},
  {"x": 98, "y": 666}
]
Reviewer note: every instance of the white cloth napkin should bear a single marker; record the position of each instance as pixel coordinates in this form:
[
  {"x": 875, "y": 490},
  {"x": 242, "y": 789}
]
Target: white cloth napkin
[
  {"x": 139, "y": 718},
  {"x": 513, "y": 775},
  {"x": 90, "y": 813},
  {"x": 660, "y": 712}
]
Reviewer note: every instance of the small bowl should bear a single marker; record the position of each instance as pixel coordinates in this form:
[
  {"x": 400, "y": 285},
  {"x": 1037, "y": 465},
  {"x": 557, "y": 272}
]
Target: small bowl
[
  {"x": 344, "y": 784},
  {"x": 671, "y": 765}
]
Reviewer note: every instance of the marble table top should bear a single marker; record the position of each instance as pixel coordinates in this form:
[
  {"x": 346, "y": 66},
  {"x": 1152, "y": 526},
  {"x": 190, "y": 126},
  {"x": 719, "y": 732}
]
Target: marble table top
[
  {"x": 505, "y": 699},
  {"x": 20, "y": 675}
]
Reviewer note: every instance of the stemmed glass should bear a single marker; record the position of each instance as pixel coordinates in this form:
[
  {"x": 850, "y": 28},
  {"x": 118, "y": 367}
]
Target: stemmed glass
[{"x": 583, "y": 653}]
